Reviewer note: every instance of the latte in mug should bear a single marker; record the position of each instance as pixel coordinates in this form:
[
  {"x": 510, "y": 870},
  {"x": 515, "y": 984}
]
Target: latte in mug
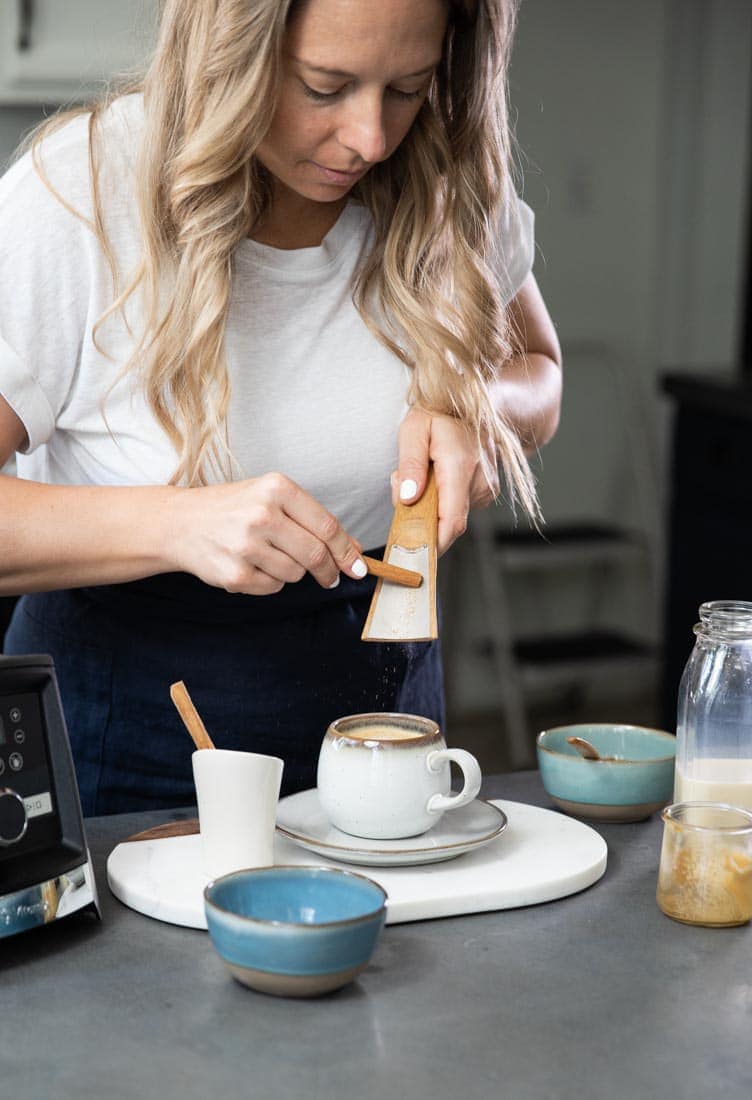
[
  {"x": 386, "y": 776},
  {"x": 382, "y": 732}
]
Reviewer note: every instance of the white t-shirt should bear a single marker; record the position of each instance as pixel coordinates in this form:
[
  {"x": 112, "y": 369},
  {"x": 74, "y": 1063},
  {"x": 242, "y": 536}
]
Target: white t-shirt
[{"x": 314, "y": 394}]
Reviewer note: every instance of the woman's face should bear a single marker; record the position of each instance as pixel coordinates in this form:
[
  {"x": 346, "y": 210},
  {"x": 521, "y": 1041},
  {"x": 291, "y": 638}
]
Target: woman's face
[{"x": 355, "y": 74}]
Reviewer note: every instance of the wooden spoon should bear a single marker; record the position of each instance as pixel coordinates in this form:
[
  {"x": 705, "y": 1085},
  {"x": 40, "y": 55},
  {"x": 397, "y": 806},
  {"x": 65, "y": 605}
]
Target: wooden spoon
[
  {"x": 587, "y": 750},
  {"x": 191, "y": 717}
]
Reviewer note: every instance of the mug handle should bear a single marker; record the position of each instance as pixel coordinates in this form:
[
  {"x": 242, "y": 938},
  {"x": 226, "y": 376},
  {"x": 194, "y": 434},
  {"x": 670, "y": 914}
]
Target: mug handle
[{"x": 437, "y": 803}]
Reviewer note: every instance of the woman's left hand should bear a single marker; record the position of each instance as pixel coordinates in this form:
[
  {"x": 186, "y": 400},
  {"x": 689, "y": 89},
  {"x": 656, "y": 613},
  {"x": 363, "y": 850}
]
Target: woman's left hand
[{"x": 427, "y": 437}]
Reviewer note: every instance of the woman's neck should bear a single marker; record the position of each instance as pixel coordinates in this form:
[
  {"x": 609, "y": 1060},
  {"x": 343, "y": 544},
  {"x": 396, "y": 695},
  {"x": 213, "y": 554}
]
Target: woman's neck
[{"x": 293, "y": 221}]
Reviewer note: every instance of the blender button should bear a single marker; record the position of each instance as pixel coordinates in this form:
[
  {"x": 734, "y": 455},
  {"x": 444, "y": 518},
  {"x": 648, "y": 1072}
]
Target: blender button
[
  {"x": 15, "y": 714},
  {"x": 19, "y": 736},
  {"x": 16, "y": 761}
]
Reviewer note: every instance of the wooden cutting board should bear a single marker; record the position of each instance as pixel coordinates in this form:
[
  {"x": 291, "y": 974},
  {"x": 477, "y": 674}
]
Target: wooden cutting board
[{"x": 541, "y": 856}]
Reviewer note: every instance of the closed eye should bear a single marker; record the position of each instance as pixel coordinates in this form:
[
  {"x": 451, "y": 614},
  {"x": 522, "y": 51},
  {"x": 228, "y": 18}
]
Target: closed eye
[
  {"x": 399, "y": 94},
  {"x": 329, "y": 97},
  {"x": 320, "y": 97}
]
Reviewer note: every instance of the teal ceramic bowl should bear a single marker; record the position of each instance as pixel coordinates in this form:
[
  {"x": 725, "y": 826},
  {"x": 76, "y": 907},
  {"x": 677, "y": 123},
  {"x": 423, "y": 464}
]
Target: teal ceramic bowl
[
  {"x": 630, "y": 787},
  {"x": 294, "y": 931}
]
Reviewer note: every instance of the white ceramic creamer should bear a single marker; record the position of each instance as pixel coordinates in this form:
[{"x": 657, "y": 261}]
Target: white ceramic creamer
[
  {"x": 237, "y": 795},
  {"x": 385, "y": 776}
]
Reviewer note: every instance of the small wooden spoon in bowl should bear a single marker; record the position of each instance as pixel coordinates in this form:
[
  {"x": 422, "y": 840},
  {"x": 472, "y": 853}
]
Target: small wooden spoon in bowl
[
  {"x": 191, "y": 717},
  {"x": 585, "y": 749}
]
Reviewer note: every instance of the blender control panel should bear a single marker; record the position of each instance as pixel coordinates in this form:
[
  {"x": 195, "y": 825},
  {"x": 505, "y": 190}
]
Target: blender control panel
[{"x": 27, "y": 799}]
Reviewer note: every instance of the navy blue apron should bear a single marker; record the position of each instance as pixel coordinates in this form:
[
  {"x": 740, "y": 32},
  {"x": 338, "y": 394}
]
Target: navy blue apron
[{"x": 267, "y": 674}]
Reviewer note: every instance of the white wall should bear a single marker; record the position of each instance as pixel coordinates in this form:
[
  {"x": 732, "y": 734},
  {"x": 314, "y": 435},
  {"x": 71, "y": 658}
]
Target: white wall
[
  {"x": 587, "y": 83},
  {"x": 705, "y": 181}
]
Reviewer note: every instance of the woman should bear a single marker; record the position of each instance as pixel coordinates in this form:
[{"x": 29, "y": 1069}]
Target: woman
[{"x": 243, "y": 306}]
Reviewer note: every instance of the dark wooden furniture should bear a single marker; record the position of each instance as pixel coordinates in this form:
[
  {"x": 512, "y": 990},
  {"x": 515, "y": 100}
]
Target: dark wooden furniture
[{"x": 710, "y": 517}]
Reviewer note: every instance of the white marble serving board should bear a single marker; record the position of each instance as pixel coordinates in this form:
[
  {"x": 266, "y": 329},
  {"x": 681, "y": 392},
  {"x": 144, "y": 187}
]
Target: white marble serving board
[{"x": 541, "y": 855}]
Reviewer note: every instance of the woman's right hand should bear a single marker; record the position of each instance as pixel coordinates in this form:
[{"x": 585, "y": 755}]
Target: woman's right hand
[
  {"x": 250, "y": 536},
  {"x": 257, "y": 535}
]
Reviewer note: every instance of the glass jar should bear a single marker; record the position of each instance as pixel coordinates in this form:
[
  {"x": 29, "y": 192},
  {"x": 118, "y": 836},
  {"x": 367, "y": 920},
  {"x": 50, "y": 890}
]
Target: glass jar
[
  {"x": 714, "y": 722},
  {"x": 705, "y": 873}
]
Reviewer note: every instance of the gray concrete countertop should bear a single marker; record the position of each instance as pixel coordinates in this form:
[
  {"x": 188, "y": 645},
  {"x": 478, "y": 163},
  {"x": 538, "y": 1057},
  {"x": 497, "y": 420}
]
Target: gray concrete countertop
[{"x": 594, "y": 996}]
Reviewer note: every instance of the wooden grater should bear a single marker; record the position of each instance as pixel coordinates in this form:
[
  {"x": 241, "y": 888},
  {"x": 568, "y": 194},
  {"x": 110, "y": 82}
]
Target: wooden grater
[{"x": 399, "y": 614}]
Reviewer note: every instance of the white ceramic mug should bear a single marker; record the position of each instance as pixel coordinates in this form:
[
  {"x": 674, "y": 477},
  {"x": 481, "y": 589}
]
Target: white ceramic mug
[
  {"x": 385, "y": 776},
  {"x": 237, "y": 795}
]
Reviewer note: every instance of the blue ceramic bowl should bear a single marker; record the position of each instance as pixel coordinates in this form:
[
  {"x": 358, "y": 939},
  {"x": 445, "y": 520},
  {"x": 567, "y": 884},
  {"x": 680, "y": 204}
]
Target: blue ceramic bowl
[
  {"x": 629, "y": 788},
  {"x": 294, "y": 931}
]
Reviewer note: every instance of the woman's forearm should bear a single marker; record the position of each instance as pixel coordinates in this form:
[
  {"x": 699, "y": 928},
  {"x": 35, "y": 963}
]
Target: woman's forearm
[
  {"x": 528, "y": 396},
  {"x": 527, "y": 392},
  {"x": 54, "y": 536},
  {"x": 252, "y": 536}
]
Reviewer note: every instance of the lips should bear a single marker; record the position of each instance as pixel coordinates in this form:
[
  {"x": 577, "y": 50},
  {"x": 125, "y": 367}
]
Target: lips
[{"x": 338, "y": 175}]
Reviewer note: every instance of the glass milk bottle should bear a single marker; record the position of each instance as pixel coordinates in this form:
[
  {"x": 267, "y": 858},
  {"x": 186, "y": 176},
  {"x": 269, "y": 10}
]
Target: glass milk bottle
[{"x": 714, "y": 727}]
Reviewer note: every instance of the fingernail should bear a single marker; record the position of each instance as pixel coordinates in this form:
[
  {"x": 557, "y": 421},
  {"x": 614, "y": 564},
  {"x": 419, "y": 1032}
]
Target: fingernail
[
  {"x": 359, "y": 567},
  {"x": 408, "y": 489},
  {"x": 334, "y": 583}
]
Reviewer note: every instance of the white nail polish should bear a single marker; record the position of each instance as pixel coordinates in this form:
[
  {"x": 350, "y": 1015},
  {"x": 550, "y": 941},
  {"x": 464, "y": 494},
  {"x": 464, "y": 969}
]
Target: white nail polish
[
  {"x": 334, "y": 583},
  {"x": 359, "y": 568},
  {"x": 408, "y": 489}
]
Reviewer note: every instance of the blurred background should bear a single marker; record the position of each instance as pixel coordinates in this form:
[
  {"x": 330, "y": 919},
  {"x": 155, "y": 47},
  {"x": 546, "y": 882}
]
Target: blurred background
[{"x": 633, "y": 127}]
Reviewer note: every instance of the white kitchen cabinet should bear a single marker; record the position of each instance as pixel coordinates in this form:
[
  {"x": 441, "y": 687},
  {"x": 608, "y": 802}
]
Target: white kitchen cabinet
[{"x": 61, "y": 51}]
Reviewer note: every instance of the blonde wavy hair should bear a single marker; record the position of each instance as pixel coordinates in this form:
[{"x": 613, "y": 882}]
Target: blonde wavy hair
[{"x": 428, "y": 288}]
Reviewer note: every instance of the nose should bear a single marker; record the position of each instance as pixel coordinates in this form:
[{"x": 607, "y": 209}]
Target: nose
[{"x": 363, "y": 129}]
